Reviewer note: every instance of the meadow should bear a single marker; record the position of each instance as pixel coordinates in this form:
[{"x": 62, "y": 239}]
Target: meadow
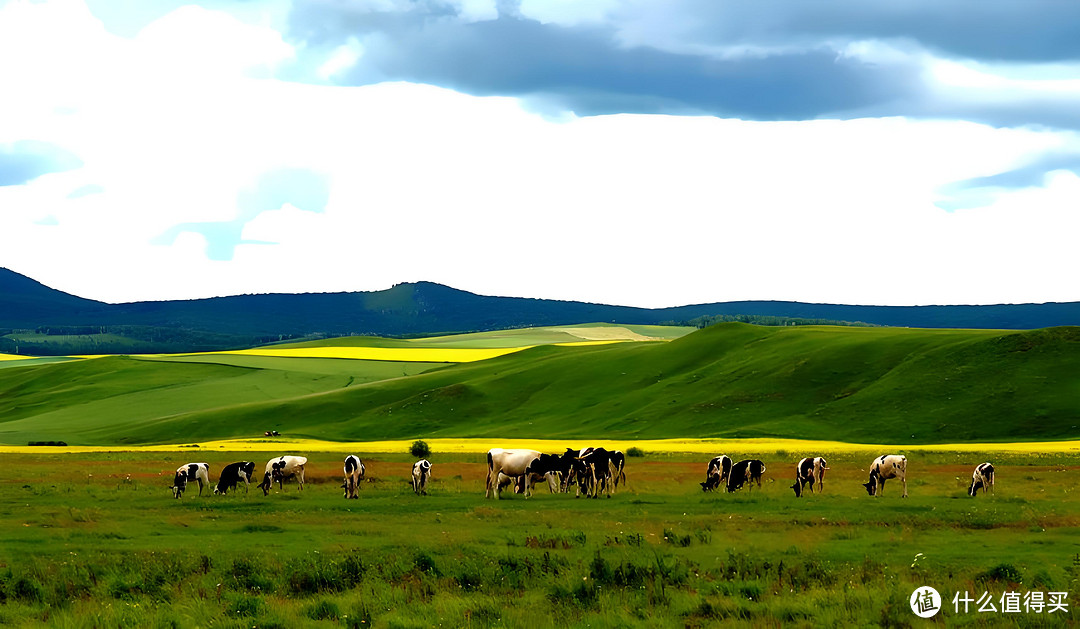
[
  {"x": 85, "y": 545},
  {"x": 93, "y": 537}
]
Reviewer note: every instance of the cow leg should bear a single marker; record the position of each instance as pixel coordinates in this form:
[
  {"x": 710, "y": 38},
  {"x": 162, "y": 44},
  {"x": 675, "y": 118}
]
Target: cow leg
[{"x": 903, "y": 481}]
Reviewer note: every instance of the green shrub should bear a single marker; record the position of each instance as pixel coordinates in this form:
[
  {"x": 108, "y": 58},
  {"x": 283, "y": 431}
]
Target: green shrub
[
  {"x": 323, "y": 610},
  {"x": 635, "y": 452},
  {"x": 426, "y": 563},
  {"x": 420, "y": 449},
  {"x": 1003, "y": 572},
  {"x": 244, "y": 605}
]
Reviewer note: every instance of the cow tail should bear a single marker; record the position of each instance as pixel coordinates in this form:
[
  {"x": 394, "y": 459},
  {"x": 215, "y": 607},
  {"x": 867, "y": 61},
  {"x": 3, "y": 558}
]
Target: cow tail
[{"x": 491, "y": 468}]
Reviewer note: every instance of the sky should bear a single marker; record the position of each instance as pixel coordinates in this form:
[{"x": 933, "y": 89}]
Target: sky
[{"x": 636, "y": 152}]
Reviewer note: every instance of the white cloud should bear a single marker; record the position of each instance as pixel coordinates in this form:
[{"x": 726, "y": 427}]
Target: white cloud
[{"x": 478, "y": 193}]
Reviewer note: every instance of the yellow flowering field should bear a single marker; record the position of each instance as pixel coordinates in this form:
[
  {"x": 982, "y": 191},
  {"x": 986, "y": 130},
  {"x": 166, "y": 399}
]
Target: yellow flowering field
[
  {"x": 479, "y": 445},
  {"x": 398, "y": 354},
  {"x": 13, "y": 357}
]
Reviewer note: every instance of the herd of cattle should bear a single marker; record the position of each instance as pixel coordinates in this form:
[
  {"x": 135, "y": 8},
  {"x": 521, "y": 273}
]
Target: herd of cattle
[{"x": 591, "y": 470}]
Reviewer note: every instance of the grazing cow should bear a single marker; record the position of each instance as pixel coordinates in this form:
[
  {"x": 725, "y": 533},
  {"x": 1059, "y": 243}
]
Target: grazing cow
[
  {"x": 272, "y": 433},
  {"x": 281, "y": 469},
  {"x": 509, "y": 462},
  {"x": 568, "y": 469},
  {"x": 808, "y": 472},
  {"x": 883, "y": 468},
  {"x": 232, "y": 474},
  {"x": 354, "y": 473},
  {"x": 745, "y": 472},
  {"x": 549, "y": 467},
  {"x": 718, "y": 473},
  {"x": 593, "y": 471},
  {"x": 982, "y": 477},
  {"x": 190, "y": 472},
  {"x": 421, "y": 472},
  {"x": 618, "y": 468}
]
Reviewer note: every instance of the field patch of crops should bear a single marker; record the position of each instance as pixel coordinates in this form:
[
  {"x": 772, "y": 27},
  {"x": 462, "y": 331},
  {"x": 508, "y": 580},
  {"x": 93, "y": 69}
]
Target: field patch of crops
[
  {"x": 97, "y": 538},
  {"x": 398, "y": 354}
]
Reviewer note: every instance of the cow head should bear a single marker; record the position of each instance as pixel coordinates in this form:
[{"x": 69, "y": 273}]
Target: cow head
[
  {"x": 871, "y": 487},
  {"x": 976, "y": 485},
  {"x": 179, "y": 484},
  {"x": 797, "y": 487}
]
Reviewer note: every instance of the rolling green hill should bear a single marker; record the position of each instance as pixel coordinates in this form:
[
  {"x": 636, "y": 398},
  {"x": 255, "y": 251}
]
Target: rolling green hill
[{"x": 877, "y": 385}]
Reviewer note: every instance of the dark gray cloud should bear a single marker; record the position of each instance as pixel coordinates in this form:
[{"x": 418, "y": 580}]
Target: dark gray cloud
[
  {"x": 26, "y": 160},
  {"x": 990, "y": 30},
  {"x": 763, "y": 60}
]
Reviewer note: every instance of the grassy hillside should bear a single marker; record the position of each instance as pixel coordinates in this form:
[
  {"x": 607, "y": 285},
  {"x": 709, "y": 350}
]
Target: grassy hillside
[{"x": 883, "y": 385}]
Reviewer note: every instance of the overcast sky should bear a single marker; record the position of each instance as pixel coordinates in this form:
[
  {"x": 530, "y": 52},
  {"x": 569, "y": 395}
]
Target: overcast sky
[{"x": 636, "y": 152}]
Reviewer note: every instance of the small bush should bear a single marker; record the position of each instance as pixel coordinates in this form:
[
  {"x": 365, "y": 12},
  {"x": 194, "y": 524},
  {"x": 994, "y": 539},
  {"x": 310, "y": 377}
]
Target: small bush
[
  {"x": 635, "y": 452},
  {"x": 245, "y": 606},
  {"x": 323, "y": 610},
  {"x": 1003, "y": 572},
  {"x": 27, "y": 590},
  {"x": 420, "y": 449},
  {"x": 426, "y": 563}
]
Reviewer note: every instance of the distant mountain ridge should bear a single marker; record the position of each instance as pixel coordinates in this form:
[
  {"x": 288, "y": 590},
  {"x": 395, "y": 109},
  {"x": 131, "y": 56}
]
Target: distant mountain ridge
[{"x": 423, "y": 308}]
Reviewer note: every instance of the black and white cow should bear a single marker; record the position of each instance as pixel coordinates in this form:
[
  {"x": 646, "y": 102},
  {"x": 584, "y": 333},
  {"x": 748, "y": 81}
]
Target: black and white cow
[
  {"x": 232, "y": 474},
  {"x": 354, "y": 473},
  {"x": 717, "y": 473},
  {"x": 809, "y": 471},
  {"x": 570, "y": 469},
  {"x": 883, "y": 468},
  {"x": 190, "y": 472},
  {"x": 745, "y": 472},
  {"x": 593, "y": 471},
  {"x": 549, "y": 467},
  {"x": 281, "y": 469},
  {"x": 982, "y": 477},
  {"x": 421, "y": 472}
]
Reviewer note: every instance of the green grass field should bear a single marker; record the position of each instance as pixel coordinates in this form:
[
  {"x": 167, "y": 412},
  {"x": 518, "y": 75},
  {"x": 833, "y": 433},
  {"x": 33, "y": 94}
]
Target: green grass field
[{"x": 83, "y": 546}]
